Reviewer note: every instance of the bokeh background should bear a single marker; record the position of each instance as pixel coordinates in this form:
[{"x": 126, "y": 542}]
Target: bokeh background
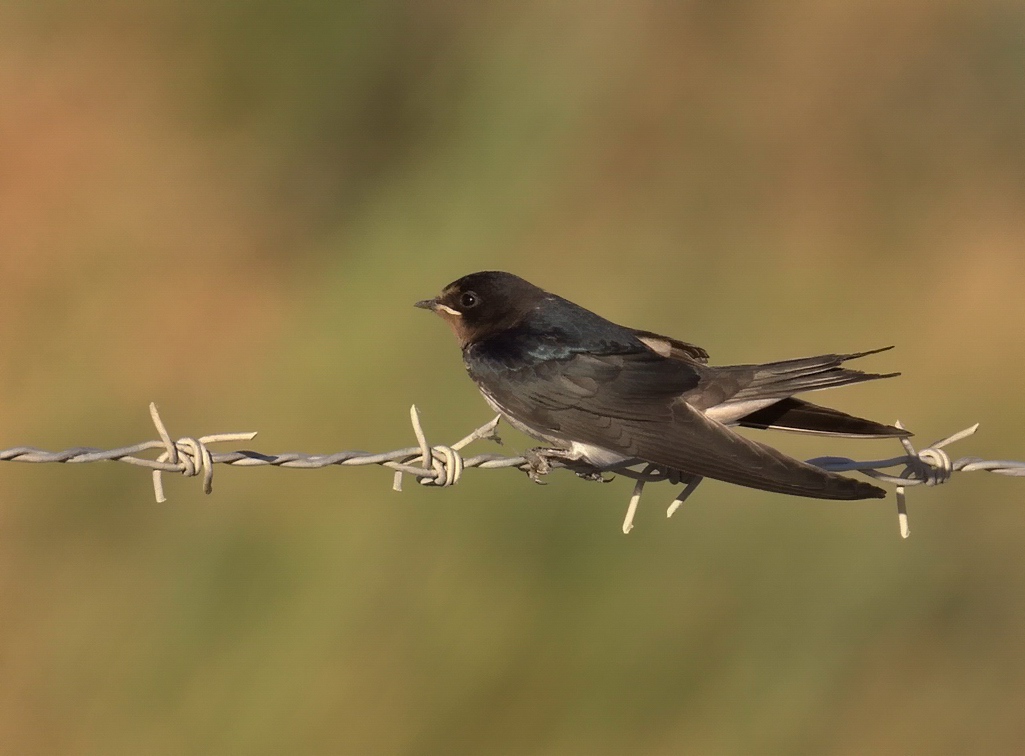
[{"x": 229, "y": 208}]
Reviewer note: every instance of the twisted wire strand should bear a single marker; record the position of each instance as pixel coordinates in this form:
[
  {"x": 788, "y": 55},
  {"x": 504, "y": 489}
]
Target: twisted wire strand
[{"x": 442, "y": 466}]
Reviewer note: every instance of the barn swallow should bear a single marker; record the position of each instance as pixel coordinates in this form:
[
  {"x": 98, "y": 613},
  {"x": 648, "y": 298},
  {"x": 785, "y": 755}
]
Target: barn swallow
[{"x": 601, "y": 395}]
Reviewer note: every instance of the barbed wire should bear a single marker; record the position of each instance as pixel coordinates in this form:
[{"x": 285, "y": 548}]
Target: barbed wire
[{"x": 442, "y": 466}]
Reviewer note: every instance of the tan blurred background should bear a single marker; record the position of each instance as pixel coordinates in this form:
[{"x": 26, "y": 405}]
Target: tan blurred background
[{"x": 229, "y": 209}]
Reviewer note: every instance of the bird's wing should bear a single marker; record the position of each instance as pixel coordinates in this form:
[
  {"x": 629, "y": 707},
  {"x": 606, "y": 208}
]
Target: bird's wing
[
  {"x": 629, "y": 402},
  {"x": 758, "y": 396},
  {"x": 670, "y": 347}
]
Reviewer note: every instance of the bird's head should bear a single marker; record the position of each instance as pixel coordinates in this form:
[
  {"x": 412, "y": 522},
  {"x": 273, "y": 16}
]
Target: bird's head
[{"x": 485, "y": 303}]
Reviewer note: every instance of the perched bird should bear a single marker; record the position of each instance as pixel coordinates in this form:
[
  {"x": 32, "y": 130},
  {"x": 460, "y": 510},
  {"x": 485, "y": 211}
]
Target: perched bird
[{"x": 600, "y": 395}]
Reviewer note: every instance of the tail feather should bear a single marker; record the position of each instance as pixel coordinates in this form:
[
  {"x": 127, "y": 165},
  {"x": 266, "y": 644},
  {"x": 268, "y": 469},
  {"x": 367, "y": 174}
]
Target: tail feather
[
  {"x": 797, "y": 415},
  {"x": 789, "y": 377}
]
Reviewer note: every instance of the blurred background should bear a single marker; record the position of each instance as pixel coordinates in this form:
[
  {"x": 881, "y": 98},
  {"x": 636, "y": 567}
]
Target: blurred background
[{"x": 229, "y": 209}]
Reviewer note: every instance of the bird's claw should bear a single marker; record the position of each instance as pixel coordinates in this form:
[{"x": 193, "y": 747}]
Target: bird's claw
[{"x": 539, "y": 463}]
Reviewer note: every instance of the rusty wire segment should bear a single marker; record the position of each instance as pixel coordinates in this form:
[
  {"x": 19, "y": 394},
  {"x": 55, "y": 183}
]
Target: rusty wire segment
[{"x": 441, "y": 465}]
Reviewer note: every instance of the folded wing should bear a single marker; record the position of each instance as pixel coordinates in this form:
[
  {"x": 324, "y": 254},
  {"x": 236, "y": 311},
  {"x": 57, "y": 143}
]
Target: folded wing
[{"x": 629, "y": 401}]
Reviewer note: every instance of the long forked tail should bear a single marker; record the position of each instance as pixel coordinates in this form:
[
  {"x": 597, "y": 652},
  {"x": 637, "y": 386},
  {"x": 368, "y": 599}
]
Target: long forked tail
[{"x": 783, "y": 379}]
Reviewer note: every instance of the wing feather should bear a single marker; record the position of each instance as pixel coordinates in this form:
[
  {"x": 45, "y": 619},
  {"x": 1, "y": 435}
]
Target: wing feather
[{"x": 629, "y": 402}]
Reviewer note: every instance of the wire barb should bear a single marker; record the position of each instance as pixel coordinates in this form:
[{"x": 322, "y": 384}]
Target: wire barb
[
  {"x": 443, "y": 466},
  {"x": 931, "y": 466},
  {"x": 190, "y": 455}
]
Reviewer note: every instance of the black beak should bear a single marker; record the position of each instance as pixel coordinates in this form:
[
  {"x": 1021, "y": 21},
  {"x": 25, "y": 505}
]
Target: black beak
[{"x": 427, "y": 304}]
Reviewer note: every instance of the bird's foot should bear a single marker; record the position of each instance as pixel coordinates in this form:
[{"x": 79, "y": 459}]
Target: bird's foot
[
  {"x": 595, "y": 476},
  {"x": 538, "y": 464},
  {"x": 542, "y": 460}
]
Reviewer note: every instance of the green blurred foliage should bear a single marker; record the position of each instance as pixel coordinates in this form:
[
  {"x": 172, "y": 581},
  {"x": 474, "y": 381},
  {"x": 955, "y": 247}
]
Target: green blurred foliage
[{"x": 229, "y": 209}]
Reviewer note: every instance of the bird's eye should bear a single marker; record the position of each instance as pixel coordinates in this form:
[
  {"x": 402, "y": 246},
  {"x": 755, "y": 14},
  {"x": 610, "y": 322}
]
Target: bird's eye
[{"x": 469, "y": 299}]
